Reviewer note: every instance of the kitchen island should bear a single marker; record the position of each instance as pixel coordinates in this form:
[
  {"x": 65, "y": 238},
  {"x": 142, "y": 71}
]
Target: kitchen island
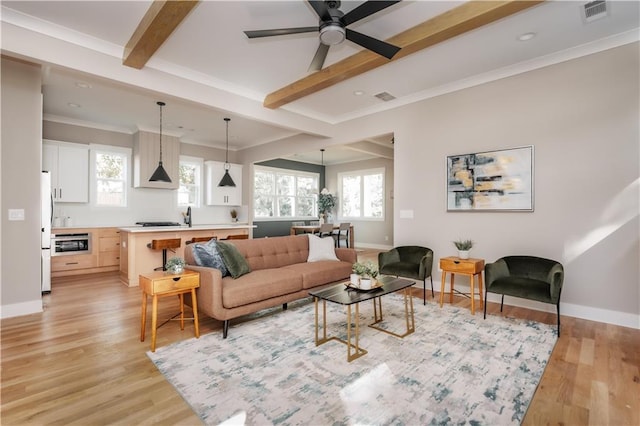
[{"x": 137, "y": 258}]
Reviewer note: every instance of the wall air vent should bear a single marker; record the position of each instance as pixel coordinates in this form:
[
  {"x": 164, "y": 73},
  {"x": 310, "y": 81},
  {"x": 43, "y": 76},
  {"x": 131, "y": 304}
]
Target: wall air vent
[
  {"x": 385, "y": 96},
  {"x": 595, "y": 10}
]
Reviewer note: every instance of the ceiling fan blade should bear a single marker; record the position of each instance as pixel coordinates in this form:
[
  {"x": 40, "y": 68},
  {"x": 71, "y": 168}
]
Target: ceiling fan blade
[
  {"x": 366, "y": 9},
  {"x": 280, "y": 31},
  {"x": 321, "y": 9},
  {"x": 378, "y": 46},
  {"x": 319, "y": 57}
]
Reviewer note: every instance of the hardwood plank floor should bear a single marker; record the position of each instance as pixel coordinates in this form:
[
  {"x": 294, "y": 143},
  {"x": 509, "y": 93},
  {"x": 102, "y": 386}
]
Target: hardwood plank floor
[{"x": 82, "y": 362}]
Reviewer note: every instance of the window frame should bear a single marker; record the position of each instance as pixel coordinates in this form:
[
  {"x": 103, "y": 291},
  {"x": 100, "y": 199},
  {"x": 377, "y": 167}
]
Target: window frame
[
  {"x": 94, "y": 150},
  {"x": 361, "y": 174},
  {"x": 285, "y": 172},
  {"x": 199, "y": 162}
]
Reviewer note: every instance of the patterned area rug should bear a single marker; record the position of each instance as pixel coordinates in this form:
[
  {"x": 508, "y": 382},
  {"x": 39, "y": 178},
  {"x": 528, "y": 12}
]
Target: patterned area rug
[{"x": 455, "y": 369}]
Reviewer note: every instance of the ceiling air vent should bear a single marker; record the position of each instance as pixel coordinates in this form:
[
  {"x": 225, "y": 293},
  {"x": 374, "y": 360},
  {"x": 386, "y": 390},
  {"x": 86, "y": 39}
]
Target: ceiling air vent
[
  {"x": 385, "y": 96},
  {"x": 595, "y": 10}
]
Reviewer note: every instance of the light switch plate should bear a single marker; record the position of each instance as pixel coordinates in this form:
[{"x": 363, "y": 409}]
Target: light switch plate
[
  {"x": 406, "y": 214},
  {"x": 16, "y": 214}
]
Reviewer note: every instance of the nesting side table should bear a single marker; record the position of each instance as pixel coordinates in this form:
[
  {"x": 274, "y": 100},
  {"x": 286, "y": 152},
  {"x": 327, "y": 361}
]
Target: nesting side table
[
  {"x": 161, "y": 284},
  {"x": 469, "y": 267}
]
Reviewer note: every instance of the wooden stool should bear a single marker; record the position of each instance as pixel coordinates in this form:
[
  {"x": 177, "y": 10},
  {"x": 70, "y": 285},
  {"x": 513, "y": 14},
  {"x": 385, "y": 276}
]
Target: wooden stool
[{"x": 164, "y": 245}]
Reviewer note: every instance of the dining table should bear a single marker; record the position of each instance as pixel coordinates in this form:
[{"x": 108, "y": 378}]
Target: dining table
[{"x": 314, "y": 229}]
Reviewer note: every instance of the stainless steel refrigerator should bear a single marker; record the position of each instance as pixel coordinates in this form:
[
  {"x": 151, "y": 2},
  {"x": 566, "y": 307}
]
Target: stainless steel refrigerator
[{"x": 46, "y": 214}]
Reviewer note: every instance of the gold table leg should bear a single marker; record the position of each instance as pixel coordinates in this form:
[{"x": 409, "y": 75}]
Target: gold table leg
[
  {"x": 408, "y": 315},
  {"x": 357, "y": 350}
]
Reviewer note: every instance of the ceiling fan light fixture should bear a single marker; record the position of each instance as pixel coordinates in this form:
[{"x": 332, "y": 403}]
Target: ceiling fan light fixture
[
  {"x": 226, "y": 178},
  {"x": 332, "y": 34},
  {"x": 160, "y": 175}
]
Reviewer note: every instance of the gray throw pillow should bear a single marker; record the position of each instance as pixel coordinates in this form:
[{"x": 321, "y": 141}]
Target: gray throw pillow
[
  {"x": 233, "y": 259},
  {"x": 207, "y": 254}
]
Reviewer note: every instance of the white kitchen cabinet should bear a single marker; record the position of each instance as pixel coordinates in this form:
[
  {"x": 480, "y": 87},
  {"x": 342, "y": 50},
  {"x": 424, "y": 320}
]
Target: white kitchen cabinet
[
  {"x": 222, "y": 195},
  {"x": 68, "y": 164},
  {"x": 146, "y": 155}
]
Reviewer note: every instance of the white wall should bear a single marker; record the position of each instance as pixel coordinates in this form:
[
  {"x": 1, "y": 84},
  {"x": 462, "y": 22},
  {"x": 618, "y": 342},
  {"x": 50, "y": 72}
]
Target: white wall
[{"x": 582, "y": 118}]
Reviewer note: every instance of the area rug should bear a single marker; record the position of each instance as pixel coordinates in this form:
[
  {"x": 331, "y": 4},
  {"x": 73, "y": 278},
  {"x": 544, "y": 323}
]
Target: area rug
[{"x": 455, "y": 369}]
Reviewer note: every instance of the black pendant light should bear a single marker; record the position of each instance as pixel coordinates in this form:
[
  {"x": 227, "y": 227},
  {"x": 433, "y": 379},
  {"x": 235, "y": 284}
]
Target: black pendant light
[
  {"x": 226, "y": 179},
  {"x": 160, "y": 175}
]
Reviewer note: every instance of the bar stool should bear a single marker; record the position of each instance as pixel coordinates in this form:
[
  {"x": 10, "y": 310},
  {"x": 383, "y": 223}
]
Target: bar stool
[{"x": 164, "y": 245}]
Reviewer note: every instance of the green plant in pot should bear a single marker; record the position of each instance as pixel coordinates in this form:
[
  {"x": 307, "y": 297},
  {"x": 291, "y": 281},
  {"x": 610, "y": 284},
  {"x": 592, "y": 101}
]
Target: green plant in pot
[
  {"x": 365, "y": 273},
  {"x": 234, "y": 215},
  {"x": 175, "y": 265},
  {"x": 463, "y": 246}
]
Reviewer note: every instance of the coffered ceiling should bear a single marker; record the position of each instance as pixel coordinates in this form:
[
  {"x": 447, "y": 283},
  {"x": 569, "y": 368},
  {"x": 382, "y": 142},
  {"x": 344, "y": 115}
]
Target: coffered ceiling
[{"x": 208, "y": 69}]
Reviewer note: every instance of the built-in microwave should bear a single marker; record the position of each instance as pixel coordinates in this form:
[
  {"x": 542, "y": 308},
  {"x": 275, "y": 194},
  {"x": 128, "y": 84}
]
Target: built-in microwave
[{"x": 62, "y": 244}]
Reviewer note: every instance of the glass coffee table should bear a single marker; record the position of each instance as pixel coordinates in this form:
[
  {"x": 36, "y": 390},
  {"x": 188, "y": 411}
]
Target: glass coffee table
[{"x": 343, "y": 295}]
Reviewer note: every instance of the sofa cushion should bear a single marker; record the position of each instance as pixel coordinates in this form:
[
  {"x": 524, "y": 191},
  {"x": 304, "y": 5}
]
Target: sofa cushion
[
  {"x": 322, "y": 272},
  {"x": 259, "y": 285},
  {"x": 321, "y": 249},
  {"x": 273, "y": 252},
  {"x": 233, "y": 260},
  {"x": 207, "y": 254}
]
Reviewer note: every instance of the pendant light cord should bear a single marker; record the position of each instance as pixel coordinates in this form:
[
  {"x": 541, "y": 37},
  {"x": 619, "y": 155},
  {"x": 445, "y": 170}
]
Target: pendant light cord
[
  {"x": 161, "y": 104},
  {"x": 226, "y": 157}
]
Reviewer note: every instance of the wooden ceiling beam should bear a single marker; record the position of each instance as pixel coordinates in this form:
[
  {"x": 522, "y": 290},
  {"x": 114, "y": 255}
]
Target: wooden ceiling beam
[
  {"x": 464, "y": 18},
  {"x": 162, "y": 18}
]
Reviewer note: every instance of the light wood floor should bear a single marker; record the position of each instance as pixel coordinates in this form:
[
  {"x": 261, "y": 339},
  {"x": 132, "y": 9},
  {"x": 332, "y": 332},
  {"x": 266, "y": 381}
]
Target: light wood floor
[{"x": 81, "y": 362}]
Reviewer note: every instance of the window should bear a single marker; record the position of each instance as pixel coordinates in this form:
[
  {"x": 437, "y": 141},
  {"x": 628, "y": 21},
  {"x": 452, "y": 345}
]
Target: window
[
  {"x": 190, "y": 172},
  {"x": 110, "y": 173},
  {"x": 281, "y": 193},
  {"x": 362, "y": 194}
]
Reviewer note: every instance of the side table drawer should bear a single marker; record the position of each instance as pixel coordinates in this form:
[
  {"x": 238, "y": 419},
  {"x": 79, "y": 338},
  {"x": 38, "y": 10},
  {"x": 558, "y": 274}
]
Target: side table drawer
[
  {"x": 466, "y": 266},
  {"x": 160, "y": 282}
]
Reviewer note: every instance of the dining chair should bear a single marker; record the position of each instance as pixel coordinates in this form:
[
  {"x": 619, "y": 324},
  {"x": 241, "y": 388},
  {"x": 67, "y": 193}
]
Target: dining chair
[
  {"x": 326, "y": 230},
  {"x": 342, "y": 233}
]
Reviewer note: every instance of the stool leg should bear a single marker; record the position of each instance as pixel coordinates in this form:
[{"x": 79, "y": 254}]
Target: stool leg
[{"x": 164, "y": 259}]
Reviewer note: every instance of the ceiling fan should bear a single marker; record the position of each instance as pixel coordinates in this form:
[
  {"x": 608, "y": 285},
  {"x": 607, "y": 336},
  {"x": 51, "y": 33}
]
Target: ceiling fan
[{"x": 333, "y": 29}]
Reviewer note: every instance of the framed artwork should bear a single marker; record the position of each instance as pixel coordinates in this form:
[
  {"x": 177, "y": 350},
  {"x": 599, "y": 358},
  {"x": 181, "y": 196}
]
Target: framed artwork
[{"x": 491, "y": 181}]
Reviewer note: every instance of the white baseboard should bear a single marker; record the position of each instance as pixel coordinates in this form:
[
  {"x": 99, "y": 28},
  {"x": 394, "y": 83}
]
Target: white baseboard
[
  {"x": 19, "y": 309},
  {"x": 590, "y": 313},
  {"x": 372, "y": 246}
]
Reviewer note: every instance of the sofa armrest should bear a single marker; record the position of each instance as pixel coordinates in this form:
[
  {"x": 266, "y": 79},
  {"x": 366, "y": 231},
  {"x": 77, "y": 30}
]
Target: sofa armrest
[
  {"x": 210, "y": 291},
  {"x": 347, "y": 255},
  {"x": 495, "y": 270}
]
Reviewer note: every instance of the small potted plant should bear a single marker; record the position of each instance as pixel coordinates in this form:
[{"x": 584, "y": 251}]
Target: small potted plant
[
  {"x": 175, "y": 265},
  {"x": 463, "y": 247},
  {"x": 366, "y": 273},
  {"x": 234, "y": 215}
]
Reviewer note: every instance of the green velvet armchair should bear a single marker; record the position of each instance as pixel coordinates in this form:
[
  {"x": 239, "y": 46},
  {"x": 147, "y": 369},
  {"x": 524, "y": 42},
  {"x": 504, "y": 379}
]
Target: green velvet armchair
[
  {"x": 527, "y": 277},
  {"x": 413, "y": 262}
]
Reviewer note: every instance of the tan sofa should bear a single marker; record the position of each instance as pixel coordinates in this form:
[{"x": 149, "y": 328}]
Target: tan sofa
[{"x": 279, "y": 274}]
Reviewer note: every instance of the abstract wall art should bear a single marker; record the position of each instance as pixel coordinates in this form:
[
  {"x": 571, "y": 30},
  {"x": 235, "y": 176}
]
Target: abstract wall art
[{"x": 491, "y": 180}]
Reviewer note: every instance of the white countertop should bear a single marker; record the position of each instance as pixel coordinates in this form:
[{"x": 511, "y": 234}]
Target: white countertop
[{"x": 185, "y": 228}]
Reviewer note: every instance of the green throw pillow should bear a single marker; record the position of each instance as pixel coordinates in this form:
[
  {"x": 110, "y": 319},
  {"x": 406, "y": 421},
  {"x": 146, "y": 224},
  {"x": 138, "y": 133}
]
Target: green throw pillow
[{"x": 233, "y": 259}]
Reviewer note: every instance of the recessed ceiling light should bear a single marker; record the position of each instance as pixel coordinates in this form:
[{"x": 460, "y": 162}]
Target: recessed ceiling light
[
  {"x": 83, "y": 85},
  {"x": 526, "y": 36},
  {"x": 72, "y": 105},
  {"x": 358, "y": 93}
]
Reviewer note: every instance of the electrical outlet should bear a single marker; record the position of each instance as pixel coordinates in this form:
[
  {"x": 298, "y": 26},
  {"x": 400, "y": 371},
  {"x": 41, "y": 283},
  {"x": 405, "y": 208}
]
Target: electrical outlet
[{"x": 16, "y": 214}]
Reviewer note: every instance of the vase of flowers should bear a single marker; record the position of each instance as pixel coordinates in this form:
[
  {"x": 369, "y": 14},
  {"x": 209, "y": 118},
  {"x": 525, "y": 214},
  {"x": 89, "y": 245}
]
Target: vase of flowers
[
  {"x": 463, "y": 246},
  {"x": 175, "y": 265},
  {"x": 326, "y": 203}
]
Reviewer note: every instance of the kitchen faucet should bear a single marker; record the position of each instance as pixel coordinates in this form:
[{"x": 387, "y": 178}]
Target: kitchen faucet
[{"x": 187, "y": 218}]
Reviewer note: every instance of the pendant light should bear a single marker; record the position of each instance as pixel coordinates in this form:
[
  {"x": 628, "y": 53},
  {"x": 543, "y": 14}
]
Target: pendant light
[
  {"x": 323, "y": 169},
  {"x": 160, "y": 175},
  {"x": 226, "y": 179}
]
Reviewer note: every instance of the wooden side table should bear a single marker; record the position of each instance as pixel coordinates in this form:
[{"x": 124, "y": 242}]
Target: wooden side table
[
  {"x": 469, "y": 267},
  {"x": 161, "y": 284}
]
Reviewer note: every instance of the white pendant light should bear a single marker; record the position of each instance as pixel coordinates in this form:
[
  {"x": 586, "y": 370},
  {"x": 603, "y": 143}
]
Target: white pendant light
[
  {"x": 160, "y": 175},
  {"x": 226, "y": 179}
]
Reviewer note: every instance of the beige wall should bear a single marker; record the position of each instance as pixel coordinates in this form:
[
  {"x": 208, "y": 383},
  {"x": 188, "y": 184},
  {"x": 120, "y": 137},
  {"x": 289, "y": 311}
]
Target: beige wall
[
  {"x": 368, "y": 233},
  {"x": 21, "y": 165},
  {"x": 582, "y": 118}
]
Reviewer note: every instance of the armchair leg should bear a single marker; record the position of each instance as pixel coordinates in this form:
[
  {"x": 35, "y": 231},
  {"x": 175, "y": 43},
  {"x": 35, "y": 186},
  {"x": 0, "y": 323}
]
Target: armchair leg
[
  {"x": 433, "y": 295},
  {"x": 485, "y": 302},
  {"x": 558, "y": 313},
  {"x": 501, "y": 302},
  {"x": 424, "y": 291}
]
